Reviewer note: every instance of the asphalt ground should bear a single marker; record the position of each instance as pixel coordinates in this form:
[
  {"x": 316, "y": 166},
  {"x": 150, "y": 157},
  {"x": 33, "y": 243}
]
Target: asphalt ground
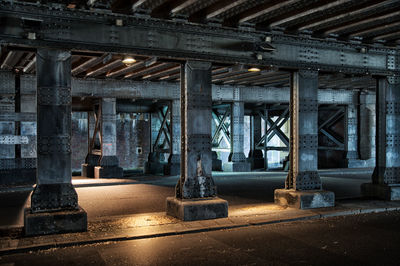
[
  {"x": 147, "y": 194},
  {"x": 364, "y": 239}
]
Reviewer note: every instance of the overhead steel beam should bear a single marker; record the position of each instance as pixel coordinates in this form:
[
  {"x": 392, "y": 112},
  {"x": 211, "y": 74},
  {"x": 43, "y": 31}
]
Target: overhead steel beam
[
  {"x": 130, "y": 89},
  {"x": 154, "y": 37}
]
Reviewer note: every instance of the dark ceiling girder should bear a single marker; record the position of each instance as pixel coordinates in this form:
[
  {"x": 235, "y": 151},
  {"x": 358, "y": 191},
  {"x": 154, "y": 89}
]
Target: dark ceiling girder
[{"x": 62, "y": 28}]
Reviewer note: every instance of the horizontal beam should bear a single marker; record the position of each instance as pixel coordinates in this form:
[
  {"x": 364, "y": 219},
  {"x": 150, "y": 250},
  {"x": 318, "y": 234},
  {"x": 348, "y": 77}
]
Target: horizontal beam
[
  {"x": 128, "y": 89},
  {"x": 36, "y": 25}
]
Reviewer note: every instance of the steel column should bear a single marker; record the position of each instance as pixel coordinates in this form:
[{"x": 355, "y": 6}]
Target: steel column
[
  {"x": 386, "y": 176},
  {"x": 255, "y": 158},
  {"x": 196, "y": 157},
  {"x": 351, "y": 138},
  {"x": 237, "y": 159},
  {"x": 174, "y": 160},
  {"x": 108, "y": 164},
  {"x": 54, "y": 192},
  {"x": 303, "y": 187}
]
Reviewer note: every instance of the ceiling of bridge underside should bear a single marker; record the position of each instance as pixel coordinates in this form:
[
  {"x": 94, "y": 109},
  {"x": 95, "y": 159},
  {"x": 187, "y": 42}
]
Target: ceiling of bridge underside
[{"x": 368, "y": 21}]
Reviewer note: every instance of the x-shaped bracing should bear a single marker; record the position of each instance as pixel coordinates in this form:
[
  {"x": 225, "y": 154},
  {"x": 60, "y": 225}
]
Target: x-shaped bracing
[
  {"x": 221, "y": 131},
  {"x": 324, "y": 128},
  {"x": 165, "y": 128},
  {"x": 274, "y": 129}
]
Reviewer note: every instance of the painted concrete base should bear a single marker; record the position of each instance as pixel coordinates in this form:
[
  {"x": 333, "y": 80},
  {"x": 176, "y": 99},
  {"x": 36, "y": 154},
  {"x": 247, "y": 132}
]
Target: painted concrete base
[
  {"x": 381, "y": 191},
  {"x": 87, "y": 170},
  {"x": 172, "y": 169},
  {"x": 304, "y": 199},
  {"x": 154, "y": 168},
  {"x": 236, "y": 167},
  {"x": 45, "y": 223},
  {"x": 108, "y": 172},
  {"x": 197, "y": 209}
]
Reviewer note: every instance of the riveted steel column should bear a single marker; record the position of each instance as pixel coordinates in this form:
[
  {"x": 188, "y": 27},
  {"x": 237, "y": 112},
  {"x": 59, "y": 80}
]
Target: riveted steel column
[
  {"x": 386, "y": 176},
  {"x": 108, "y": 163},
  {"x": 237, "y": 159},
  {"x": 255, "y": 155},
  {"x": 174, "y": 161},
  {"x": 196, "y": 157},
  {"x": 351, "y": 140},
  {"x": 54, "y": 191},
  {"x": 303, "y": 172},
  {"x": 303, "y": 187}
]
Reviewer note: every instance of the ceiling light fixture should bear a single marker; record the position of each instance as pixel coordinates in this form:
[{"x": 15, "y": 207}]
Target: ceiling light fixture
[
  {"x": 254, "y": 69},
  {"x": 129, "y": 60}
]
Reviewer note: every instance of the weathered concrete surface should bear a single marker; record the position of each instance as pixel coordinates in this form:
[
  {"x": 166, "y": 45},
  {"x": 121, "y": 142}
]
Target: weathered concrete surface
[
  {"x": 108, "y": 172},
  {"x": 310, "y": 199},
  {"x": 381, "y": 191},
  {"x": 44, "y": 223},
  {"x": 201, "y": 209}
]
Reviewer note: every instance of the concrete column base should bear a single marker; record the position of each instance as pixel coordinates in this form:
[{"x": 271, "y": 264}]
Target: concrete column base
[
  {"x": 172, "y": 169},
  {"x": 108, "y": 172},
  {"x": 304, "y": 199},
  {"x": 197, "y": 209},
  {"x": 154, "y": 168},
  {"x": 87, "y": 170},
  {"x": 45, "y": 223},
  {"x": 236, "y": 167},
  {"x": 256, "y": 163},
  {"x": 381, "y": 191}
]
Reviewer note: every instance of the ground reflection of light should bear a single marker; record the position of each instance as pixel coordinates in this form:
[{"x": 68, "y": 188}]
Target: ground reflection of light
[{"x": 258, "y": 209}]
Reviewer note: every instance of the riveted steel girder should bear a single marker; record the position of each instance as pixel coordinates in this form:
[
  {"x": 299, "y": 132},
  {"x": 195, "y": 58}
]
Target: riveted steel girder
[{"x": 39, "y": 25}]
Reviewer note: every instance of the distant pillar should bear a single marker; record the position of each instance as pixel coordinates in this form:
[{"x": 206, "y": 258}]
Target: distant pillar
[
  {"x": 54, "y": 202},
  {"x": 367, "y": 128},
  {"x": 154, "y": 164},
  {"x": 174, "y": 161},
  {"x": 255, "y": 158},
  {"x": 303, "y": 188},
  {"x": 386, "y": 176},
  {"x": 196, "y": 195},
  {"x": 108, "y": 164},
  {"x": 237, "y": 159},
  {"x": 351, "y": 139},
  {"x": 92, "y": 159}
]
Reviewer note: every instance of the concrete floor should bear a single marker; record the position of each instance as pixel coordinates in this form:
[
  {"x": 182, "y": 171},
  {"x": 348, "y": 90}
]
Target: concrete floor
[
  {"x": 368, "y": 239},
  {"x": 146, "y": 194}
]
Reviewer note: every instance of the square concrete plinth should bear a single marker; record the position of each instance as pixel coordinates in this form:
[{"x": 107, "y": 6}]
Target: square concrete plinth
[
  {"x": 197, "y": 209},
  {"x": 304, "y": 199},
  {"x": 87, "y": 170},
  {"x": 108, "y": 172},
  {"x": 381, "y": 191},
  {"x": 45, "y": 223},
  {"x": 236, "y": 167}
]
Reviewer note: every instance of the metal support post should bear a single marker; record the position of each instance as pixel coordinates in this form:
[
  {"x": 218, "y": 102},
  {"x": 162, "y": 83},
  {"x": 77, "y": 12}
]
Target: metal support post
[
  {"x": 174, "y": 161},
  {"x": 108, "y": 164},
  {"x": 195, "y": 196},
  {"x": 237, "y": 159},
  {"x": 256, "y": 158},
  {"x": 351, "y": 138},
  {"x": 54, "y": 202},
  {"x": 386, "y": 176},
  {"x": 303, "y": 187}
]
